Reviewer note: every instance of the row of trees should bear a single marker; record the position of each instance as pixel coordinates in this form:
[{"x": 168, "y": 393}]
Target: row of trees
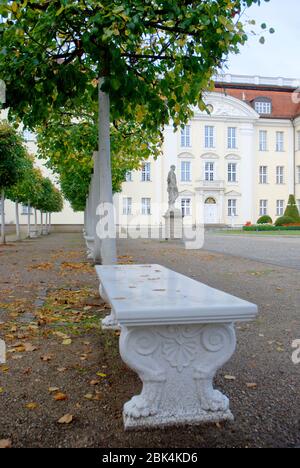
[
  {"x": 109, "y": 76},
  {"x": 21, "y": 182}
]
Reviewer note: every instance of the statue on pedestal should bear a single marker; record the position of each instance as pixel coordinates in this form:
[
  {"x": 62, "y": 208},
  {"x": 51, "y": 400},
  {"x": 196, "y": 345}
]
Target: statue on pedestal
[{"x": 172, "y": 188}]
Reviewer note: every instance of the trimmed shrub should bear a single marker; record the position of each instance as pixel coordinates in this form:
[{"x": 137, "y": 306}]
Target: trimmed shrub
[
  {"x": 284, "y": 221},
  {"x": 265, "y": 220},
  {"x": 292, "y": 209},
  {"x": 259, "y": 227}
]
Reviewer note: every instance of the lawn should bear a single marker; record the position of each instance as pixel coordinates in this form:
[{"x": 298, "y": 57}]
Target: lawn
[{"x": 259, "y": 233}]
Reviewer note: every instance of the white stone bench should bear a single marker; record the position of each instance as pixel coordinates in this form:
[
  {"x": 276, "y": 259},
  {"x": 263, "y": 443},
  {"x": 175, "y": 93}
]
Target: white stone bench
[{"x": 175, "y": 334}]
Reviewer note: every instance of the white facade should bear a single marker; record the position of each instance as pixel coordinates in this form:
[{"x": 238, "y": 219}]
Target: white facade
[{"x": 232, "y": 166}]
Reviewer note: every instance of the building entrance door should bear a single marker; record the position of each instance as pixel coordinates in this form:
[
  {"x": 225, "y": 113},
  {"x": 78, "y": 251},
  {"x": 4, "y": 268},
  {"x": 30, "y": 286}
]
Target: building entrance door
[{"x": 210, "y": 211}]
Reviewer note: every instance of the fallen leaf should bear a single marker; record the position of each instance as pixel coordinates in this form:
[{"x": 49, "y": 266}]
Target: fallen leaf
[
  {"x": 29, "y": 347},
  {"x": 53, "y": 389},
  {"x": 229, "y": 377},
  {"x": 89, "y": 396},
  {"x": 100, "y": 374},
  {"x": 94, "y": 382},
  {"x": 66, "y": 419},
  {"x": 251, "y": 385},
  {"x": 5, "y": 443},
  {"x": 60, "y": 396},
  {"x": 61, "y": 369},
  {"x": 1, "y": 390},
  {"x": 67, "y": 342},
  {"x": 31, "y": 406}
]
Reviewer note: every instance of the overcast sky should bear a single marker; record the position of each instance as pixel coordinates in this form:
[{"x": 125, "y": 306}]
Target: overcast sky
[{"x": 280, "y": 55}]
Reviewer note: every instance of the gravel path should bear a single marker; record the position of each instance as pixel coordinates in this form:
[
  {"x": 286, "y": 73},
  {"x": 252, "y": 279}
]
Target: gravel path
[
  {"x": 282, "y": 251},
  {"x": 49, "y": 304}
]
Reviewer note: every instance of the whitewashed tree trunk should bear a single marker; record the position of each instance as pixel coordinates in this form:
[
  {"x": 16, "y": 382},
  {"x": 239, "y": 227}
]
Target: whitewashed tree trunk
[
  {"x": 42, "y": 222},
  {"x": 35, "y": 221},
  {"x": 107, "y": 245},
  {"x": 3, "y": 239},
  {"x": 49, "y": 223},
  {"x": 18, "y": 231},
  {"x": 28, "y": 219}
]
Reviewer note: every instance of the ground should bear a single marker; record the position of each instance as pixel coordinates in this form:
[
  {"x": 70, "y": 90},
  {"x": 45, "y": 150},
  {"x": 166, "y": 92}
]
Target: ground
[{"x": 60, "y": 363}]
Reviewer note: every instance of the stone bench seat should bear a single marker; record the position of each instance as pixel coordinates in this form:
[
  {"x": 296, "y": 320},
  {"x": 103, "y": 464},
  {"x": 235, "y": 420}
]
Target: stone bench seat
[{"x": 175, "y": 334}]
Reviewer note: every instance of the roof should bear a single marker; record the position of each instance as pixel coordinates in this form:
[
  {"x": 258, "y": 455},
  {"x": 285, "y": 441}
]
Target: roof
[{"x": 283, "y": 104}]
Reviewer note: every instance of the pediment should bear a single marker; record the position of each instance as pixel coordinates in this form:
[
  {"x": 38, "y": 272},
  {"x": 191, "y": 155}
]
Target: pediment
[
  {"x": 209, "y": 156},
  {"x": 186, "y": 155},
  {"x": 227, "y": 106},
  {"x": 233, "y": 193},
  {"x": 186, "y": 193},
  {"x": 232, "y": 157}
]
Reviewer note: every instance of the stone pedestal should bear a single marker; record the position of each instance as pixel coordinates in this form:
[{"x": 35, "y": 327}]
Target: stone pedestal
[
  {"x": 177, "y": 365},
  {"x": 173, "y": 224}
]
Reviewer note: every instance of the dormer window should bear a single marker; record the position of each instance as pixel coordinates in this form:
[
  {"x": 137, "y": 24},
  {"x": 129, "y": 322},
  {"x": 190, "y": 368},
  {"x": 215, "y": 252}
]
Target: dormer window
[{"x": 263, "y": 105}]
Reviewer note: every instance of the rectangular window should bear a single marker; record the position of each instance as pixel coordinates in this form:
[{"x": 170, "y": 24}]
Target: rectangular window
[
  {"x": 263, "y": 107},
  {"x": 232, "y": 207},
  {"x": 129, "y": 176},
  {"x": 280, "y": 175},
  {"x": 263, "y": 174},
  {"x": 25, "y": 210},
  {"x": 186, "y": 136},
  {"x": 231, "y": 138},
  {"x": 185, "y": 171},
  {"x": 209, "y": 171},
  {"x": 279, "y": 141},
  {"x": 279, "y": 207},
  {"x": 146, "y": 206},
  {"x": 127, "y": 206},
  {"x": 186, "y": 206},
  {"x": 262, "y": 140},
  {"x": 232, "y": 173},
  {"x": 263, "y": 207},
  {"x": 209, "y": 136},
  {"x": 146, "y": 172}
]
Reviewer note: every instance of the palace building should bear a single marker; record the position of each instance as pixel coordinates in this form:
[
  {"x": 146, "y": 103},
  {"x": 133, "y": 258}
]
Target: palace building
[{"x": 234, "y": 165}]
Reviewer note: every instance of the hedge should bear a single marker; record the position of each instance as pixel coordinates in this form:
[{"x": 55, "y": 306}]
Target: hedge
[{"x": 269, "y": 227}]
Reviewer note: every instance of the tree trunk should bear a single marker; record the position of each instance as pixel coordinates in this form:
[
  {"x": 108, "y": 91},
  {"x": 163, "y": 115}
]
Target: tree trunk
[
  {"x": 105, "y": 240},
  {"x": 35, "y": 221},
  {"x": 42, "y": 222},
  {"x": 49, "y": 223},
  {"x": 3, "y": 239},
  {"x": 28, "y": 219},
  {"x": 18, "y": 232}
]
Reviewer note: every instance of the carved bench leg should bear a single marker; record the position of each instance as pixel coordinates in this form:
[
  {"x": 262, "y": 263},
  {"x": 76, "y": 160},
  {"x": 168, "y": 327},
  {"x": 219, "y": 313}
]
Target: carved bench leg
[
  {"x": 177, "y": 365},
  {"x": 110, "y": 322}
]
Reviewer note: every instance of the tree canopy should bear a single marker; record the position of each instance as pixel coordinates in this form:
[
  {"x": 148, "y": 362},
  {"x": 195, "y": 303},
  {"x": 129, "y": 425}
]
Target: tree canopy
[
  {"x": 157, "y": 56},
  {"x": 12, "y": 156},
  {"x": 155, "y": 59}
]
